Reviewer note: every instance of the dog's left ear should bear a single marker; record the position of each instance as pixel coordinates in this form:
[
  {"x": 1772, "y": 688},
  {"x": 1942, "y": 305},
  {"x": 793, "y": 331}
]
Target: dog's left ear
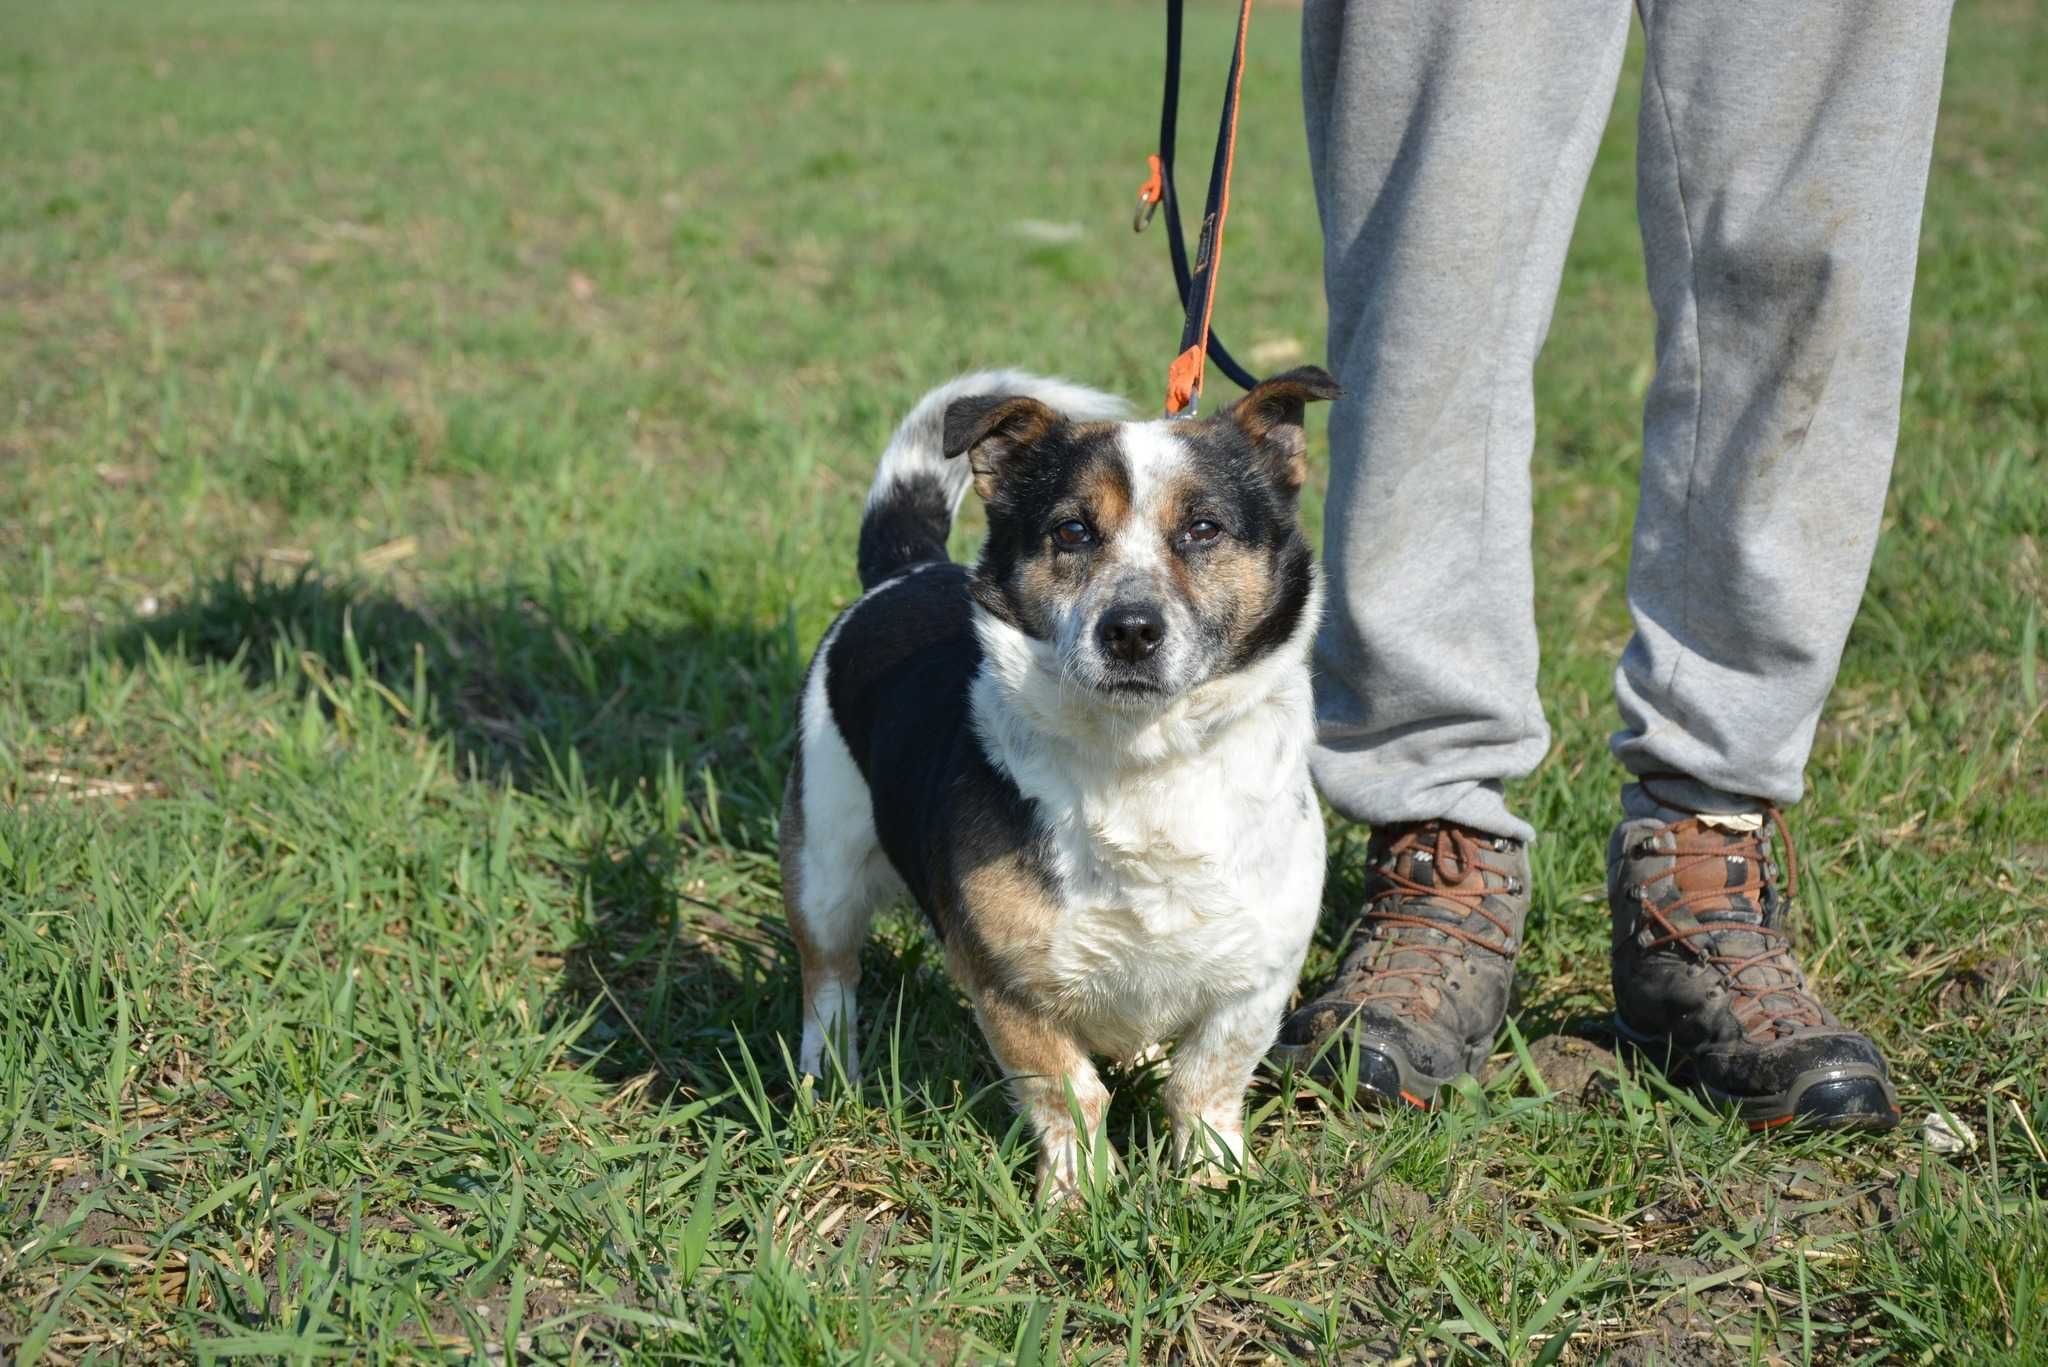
[
  {"x": 1271, "y": 416},
  {"x": 993, "y": 431}
]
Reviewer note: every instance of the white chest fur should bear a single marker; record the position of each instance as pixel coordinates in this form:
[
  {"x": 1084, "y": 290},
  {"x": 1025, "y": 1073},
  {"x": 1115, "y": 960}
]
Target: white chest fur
[{"x": 1191, "y": 861}]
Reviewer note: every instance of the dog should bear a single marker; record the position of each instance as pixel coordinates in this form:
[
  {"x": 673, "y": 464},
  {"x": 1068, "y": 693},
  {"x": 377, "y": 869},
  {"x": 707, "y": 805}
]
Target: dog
[{"x": 1084, "y": 757}]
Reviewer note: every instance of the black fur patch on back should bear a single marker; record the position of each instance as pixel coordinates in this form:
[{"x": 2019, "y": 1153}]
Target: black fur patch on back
[
  {"x": 898, "y": 673},
  {"x": 906, "y": 526}
]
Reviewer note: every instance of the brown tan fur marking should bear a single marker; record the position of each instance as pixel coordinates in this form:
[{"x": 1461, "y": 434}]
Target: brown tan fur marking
[
  {"x": 1229, "y": 581},
  {"x": 1007, "y": 920},
  {"x": 1044, "y": 1063},
  {"x": 1104, "y": 490}
]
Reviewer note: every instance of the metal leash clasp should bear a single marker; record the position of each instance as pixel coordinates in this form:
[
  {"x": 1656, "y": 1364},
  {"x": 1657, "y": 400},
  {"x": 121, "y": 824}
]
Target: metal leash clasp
[{"x": 1149, "y": 195}]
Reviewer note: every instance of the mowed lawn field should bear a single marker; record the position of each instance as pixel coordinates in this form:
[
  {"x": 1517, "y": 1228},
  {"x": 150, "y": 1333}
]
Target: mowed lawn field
[{"x": 431, "y": 439}]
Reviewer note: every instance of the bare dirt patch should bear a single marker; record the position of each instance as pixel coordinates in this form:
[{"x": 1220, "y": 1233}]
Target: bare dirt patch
[{"x": 1573, "y": 1066}]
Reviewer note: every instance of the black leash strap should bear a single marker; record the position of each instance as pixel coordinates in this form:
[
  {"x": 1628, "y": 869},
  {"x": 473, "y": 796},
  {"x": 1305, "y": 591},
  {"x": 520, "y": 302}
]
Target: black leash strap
[{"x": 1196, "y": 282}]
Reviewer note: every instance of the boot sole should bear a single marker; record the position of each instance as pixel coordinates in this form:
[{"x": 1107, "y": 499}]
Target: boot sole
[
  {"x": 1855, "y": 1096},
  {"x": 1383, "y": 1070}
]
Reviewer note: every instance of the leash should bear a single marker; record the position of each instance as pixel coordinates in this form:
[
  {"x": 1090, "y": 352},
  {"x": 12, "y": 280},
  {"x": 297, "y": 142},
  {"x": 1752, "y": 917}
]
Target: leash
[{"x": 1196, "y": 284}]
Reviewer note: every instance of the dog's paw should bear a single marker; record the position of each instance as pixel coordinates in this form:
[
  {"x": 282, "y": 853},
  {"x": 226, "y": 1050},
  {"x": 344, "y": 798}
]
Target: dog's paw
[
  {"x": 1217, "y": 1173},
  {"x": 1056, "y": 1197},
  {"x": 1213, "y": 1158},
  {"x": 1069, "y": 1177}
]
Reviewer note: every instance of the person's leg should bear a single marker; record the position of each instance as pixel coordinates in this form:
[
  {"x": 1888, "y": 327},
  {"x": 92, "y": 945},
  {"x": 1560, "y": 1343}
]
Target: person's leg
[
  {"x": 1450, "y": 144},
  {"x": 1782, "y": 164}
]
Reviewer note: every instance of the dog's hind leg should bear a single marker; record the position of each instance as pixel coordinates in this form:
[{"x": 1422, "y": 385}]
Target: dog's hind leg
[{"x": 834, "y": 877}]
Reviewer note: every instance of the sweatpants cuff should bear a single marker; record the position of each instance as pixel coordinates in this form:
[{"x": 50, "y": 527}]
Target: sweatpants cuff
[
  {"x": 1670, "y": 795},
  {"x": 1478, "y": 803}
]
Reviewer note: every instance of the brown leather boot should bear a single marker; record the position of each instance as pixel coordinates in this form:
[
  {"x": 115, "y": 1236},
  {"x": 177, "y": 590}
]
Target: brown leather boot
[
  {"x": 1705, "y": 980},
  {"x": 1425, "y": 986}
]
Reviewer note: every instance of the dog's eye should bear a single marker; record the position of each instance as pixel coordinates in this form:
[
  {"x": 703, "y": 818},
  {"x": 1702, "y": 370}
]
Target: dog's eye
[
  {"x": 1202, "y": 529},
  {"x": 1072, "y": 534}
]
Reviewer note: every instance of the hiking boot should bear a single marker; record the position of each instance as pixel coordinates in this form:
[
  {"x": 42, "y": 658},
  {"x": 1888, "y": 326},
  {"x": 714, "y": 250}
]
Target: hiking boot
[
  {"x": 1705, "y": 979},
  {"x": 1425, "y": 986}
]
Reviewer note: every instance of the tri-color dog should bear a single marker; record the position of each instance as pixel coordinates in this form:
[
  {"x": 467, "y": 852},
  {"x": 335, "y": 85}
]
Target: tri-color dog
[{"x": 1084, "y": 757}]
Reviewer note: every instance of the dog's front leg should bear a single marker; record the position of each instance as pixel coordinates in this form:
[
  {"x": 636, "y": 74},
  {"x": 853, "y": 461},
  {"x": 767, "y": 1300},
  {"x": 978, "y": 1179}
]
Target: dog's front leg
[
  {"x": 1057, "y": 1089},
  {"x": 1212, "y": 1067}
]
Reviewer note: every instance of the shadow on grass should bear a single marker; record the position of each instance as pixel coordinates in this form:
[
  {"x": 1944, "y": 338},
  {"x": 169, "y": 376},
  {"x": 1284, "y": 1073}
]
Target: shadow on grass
[
  {"x": 523, "y": 680},
  {"x": 662, "y": 734}
]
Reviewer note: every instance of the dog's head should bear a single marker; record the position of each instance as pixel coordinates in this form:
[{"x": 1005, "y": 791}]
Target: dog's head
[{"x": 1152, "y": 557}]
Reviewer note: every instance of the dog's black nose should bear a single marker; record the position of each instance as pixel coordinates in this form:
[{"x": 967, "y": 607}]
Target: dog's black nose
[{"x": 1131, "y": 633}]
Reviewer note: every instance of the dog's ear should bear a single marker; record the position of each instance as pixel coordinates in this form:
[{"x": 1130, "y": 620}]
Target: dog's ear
[
  {"x": 1271, "y": 417},
  {"x": 992, "y": 430}
]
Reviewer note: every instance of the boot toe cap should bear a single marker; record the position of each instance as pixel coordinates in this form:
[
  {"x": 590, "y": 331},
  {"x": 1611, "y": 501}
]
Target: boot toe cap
[
  {"x": 1742, "y": 1068},
  {"x": 1418, "y": 1054},
  {"x": 1836, "y": 1080}
]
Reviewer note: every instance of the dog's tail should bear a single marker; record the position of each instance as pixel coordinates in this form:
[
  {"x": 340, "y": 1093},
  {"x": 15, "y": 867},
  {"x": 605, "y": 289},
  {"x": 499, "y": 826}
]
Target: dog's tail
[{"x": 917, "y": 490}]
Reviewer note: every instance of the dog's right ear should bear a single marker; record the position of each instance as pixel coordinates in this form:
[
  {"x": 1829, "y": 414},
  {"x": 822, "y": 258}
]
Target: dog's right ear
[
  {"x": 994, "y": 430},
  {"x": 1271, "y": 416}
]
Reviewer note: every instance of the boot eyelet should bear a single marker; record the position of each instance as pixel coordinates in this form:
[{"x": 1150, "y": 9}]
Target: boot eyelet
[
  {"x": 1514, "y": 886},
  {"x": 1635, "y": 892},
  {"x": 1500, "y": 845}
]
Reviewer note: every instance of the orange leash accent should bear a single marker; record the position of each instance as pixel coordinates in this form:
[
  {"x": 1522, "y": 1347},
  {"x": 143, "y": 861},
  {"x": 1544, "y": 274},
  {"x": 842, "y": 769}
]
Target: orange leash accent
[
  {"x": 1183, "y": 381},
  {"x": 1184, "y": 376}
]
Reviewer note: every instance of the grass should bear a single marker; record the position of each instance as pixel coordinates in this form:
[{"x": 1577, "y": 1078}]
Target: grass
[{"x": 432, "y": 438}]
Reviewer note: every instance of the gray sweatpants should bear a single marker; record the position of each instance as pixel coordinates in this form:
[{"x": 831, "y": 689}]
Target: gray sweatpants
[{"x": 1782, "y": 161}]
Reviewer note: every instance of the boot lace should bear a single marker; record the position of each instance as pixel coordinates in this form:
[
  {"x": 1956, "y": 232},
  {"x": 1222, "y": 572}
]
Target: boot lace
[{"x": 1767, "y": 992}]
